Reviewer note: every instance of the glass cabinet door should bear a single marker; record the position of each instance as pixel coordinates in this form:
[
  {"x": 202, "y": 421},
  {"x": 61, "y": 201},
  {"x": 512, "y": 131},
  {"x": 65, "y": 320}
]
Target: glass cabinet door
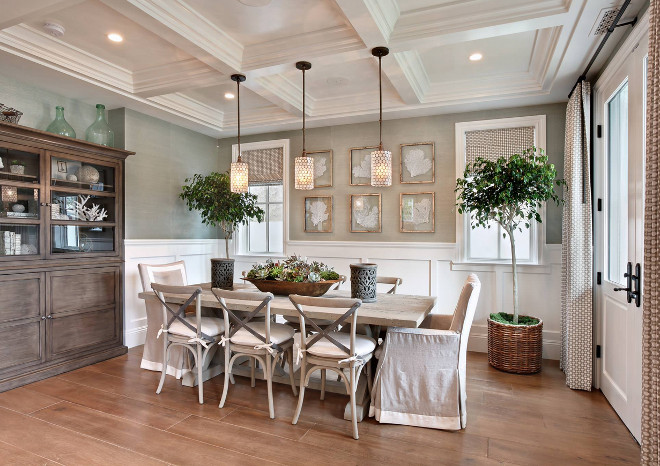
[
  {"x": 68, "y": 172},
  {"x": 18, "y": 240},
  {"x": 66, "y": 239},
  {"x": 19, "y": 165}
]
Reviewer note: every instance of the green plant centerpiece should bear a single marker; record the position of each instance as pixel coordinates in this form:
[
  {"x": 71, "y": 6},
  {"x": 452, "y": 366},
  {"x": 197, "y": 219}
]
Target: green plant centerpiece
[
  {"x": 511, "y": 192},
  {"x": 294, "y": 275},
  {"x": 219, "y": 207}
]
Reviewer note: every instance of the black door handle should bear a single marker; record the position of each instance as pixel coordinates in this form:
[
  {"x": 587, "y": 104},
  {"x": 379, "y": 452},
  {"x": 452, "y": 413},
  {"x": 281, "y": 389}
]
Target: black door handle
[{"x": 634, "y": 284}]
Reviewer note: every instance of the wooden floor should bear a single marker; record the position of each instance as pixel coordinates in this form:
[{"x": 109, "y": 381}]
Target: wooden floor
[{"x": 109, "y": 413}]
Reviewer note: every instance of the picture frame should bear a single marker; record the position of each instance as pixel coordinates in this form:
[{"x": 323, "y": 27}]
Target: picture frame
[
  {"x": 318, "y": 214},
  {"x": 61, "y": 166},
  {"x": 417, "y": 163},
  {"x": 364, "y": 219},
  {"x": 417, "y": 212},
  {"x": 322, "y": 167},
  {"x": 359, "y": 168}
]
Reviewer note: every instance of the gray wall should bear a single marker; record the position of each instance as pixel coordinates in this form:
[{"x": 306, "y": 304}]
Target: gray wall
[
  {"x": 438, "y": 129},
  {"x": 166, "y": 154}
]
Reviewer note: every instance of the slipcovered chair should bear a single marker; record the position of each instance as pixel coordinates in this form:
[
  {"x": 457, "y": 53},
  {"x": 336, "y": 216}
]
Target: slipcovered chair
[
  {"x": 197, "y": 334},
  {"x": 328, "y": 349},
  {"x": 264, "y": 341},
  {"x": 173, "y": 273},
  {"x": 421, "y": 374}
]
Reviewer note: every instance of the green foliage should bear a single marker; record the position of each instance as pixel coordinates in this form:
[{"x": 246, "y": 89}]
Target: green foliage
[
  {"x": 16, "y": 162},
  {"x": 211, "y": 195},
  {"x": 293, "y": 269},
  {"x": 504, "y": 318},
  {"x": 508, "y": 191}
]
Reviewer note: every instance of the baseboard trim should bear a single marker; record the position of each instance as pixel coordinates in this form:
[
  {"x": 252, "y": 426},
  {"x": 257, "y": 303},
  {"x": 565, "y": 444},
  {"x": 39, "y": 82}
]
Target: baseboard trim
[{"x": 135, "y": 336}]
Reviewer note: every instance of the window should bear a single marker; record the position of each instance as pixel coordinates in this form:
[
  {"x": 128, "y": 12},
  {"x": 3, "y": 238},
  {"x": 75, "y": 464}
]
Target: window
[
  {"x": 491, "y": 139},
  {"x": 267, "y": 162}
]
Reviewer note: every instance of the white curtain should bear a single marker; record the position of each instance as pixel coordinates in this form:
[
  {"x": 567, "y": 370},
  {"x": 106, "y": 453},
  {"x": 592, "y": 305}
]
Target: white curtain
[{"x": 577, "y": 252}]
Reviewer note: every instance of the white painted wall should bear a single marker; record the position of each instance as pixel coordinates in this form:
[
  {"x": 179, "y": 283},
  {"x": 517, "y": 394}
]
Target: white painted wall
[{"x": 426, "y": 269}]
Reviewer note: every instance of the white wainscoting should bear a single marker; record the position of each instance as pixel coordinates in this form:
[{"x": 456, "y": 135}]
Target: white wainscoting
[
  {"x": 196, "y": 253},
  {"x": 427, "y": 269}
]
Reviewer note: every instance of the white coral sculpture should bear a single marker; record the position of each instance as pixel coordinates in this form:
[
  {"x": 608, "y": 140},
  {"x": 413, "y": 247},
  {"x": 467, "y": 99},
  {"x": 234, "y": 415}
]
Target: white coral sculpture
[
  {"x": 416, "y": 163},
  {"x": 318, "y": 212},
  {"x": 364, "y": 169},
  {"x": 367, "y": 217},
  {"x": 89, "y": 214},
  {"x": 421, "y": 212},
  {"x": 319, "y": 167}
]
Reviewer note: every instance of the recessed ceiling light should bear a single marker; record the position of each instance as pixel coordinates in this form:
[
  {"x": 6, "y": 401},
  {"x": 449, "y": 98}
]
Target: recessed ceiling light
[
  {"x": 229, "y": 95},
  {"x": 476, "y": 56},
  {"x": 114, "y": 37}
]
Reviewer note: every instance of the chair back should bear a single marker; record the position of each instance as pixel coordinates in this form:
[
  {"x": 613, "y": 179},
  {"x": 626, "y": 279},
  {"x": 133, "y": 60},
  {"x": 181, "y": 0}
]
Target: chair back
[
  {"x": 250, "y": 301},
  {"x": 396, "y": 281},
  {"x": 342, "y": 280},
  {"x": 466, "y": 306},
  {"x": 173, "y": 273},
  {"x": 170, "y": 315},
  {"x": 351, "y": 305}
]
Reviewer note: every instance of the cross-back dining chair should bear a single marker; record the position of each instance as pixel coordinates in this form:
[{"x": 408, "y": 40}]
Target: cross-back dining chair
[
  {"x": 396, "y": 281},
  {"x": 328, "y": 349},
  {"x": 264, "y": 341},
  {"x": 197, "y": 334}
]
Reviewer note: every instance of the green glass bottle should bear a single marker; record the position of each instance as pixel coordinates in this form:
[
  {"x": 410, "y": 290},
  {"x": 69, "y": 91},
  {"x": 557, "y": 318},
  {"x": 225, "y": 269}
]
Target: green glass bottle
[
  {"x": 99, "y": 131},
  {"x": 60, "y": 125}
]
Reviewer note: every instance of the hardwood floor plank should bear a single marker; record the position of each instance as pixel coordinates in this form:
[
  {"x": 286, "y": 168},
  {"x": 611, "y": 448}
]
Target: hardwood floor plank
[
  {"x": 11, "y": 456},
  {"x": 148, "y": 441},
  {"x": 24, "y": 400},
  {"x": 63, "y": 445},
  {"x": 260, "y": 421}
]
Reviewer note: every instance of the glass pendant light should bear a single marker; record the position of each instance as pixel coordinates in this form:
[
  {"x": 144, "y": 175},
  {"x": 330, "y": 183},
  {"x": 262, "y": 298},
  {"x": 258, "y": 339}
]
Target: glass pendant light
[
  {"x": 381, "y": 160},
  {"x": 239, "y": 170},
  {"x": 304, "y": 165}
]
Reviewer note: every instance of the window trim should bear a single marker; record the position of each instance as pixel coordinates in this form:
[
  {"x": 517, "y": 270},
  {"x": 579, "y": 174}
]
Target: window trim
[
  {"x": 240, "y": 249},
  {"x": 537, "y": 232}
]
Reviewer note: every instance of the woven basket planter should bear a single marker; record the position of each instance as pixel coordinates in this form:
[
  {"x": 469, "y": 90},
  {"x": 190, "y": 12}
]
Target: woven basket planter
[{"x": 515, "y": 348}]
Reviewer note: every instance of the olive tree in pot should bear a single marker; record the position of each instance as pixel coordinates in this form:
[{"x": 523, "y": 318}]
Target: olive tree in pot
[
  {"x": 220, "y": 207},
  {"x": 510, "y": 191}
]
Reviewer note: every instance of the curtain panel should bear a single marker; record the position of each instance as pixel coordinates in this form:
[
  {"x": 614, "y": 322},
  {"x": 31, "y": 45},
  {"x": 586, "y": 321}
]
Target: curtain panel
[
  {"x": 651, "y": 285},
  {"x": 577, "y": 252}
]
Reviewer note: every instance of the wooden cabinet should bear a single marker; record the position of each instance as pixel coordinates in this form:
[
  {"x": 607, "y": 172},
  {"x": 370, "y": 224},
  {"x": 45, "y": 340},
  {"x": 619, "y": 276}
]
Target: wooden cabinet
[{"x": 61, "y": 254}]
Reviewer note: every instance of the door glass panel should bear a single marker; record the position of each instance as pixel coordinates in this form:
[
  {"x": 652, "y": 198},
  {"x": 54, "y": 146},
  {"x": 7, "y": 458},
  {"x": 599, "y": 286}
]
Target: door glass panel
[
  {"x": 19, "y": 240},
  {"x": 82, "y": 207},
  {"x": 72, "y": 238},
  {"x": 17, "y": 165},
  {"x": 82, "y": 175},
  {"x": 19, "y": 202},
  {"x": 617, "y": 182}
]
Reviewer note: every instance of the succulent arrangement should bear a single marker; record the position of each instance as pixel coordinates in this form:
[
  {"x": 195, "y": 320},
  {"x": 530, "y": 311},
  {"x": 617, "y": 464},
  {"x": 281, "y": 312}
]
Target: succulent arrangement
[{"x": 293, "y": 269}]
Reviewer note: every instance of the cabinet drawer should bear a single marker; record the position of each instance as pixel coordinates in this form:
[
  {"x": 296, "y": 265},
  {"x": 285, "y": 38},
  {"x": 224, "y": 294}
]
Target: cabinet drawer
[
  {"x": 83, "y": 290},
  {"x": 20, "y": 345},
  {"x": 81, "y": 331},
  {"x": 20, "y": 296}
]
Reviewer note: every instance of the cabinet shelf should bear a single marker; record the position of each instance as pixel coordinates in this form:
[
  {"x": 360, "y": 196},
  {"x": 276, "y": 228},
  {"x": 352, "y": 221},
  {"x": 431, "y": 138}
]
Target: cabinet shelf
[
  {"x": 8, "y": 176},
  {"x": 78, "y": 223},
  {"x": 81, "y": 185},
  {"x": 76, "y": 190}
]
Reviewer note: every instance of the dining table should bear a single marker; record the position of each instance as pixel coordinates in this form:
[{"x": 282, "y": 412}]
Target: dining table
[{"x": 389, "y": 310}]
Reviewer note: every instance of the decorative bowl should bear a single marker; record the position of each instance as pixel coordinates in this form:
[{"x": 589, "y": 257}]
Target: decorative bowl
[{"x": 283, "y": 288}]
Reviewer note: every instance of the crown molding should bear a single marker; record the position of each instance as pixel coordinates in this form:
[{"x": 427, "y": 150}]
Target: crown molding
[
  {"x": 281, "y": 91},
  {"x": 191, "y": 109},
  {"x": 408, "y": 76},
  {"x": 172, "y": 77},
  {"x": 373, "y": 20},
  {"x": 385, "y": 14}
]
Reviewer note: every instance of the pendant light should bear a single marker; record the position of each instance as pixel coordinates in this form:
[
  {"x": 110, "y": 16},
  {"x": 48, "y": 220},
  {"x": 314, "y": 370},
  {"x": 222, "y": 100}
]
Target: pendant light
[
  {"x": 304, "y": 165},
  {"x": 381, "y": 160},
  {"x": 239, "y": 169}
]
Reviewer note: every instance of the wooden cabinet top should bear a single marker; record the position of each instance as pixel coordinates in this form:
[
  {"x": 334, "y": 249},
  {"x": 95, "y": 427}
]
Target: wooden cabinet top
[{"x": 42, "y": 139}]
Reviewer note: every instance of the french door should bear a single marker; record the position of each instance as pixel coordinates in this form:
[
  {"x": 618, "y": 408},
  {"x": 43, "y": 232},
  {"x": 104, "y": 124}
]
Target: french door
[{"x": 620, "y": 108}]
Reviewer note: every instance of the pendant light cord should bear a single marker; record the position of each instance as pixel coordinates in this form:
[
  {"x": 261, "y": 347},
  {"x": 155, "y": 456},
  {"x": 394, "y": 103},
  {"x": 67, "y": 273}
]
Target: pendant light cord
[
  {"x": 238, "y": 104},
  {"x": 380, "y": 92},
  {"x": 303, "y": 115}
]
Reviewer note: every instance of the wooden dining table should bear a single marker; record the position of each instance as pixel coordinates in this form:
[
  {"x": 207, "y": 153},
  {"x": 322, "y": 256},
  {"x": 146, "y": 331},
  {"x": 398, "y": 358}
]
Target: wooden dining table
[{"x": 389, "y": 310}]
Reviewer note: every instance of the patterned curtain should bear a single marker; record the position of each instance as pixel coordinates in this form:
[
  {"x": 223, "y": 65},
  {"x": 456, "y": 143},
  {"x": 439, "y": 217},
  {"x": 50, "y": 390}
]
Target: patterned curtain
[
  {"x": 577, "y": 254},
  {"x": 651, "y": 316}
]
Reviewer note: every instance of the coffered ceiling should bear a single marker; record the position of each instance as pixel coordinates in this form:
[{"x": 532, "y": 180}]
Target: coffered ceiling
[{"x": 177, "y": 56}]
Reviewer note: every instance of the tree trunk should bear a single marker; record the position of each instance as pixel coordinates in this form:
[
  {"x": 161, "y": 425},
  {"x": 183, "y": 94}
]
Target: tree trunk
[
  {"x": 227, "y": 246},
  {"x": 515, "y": 275}
]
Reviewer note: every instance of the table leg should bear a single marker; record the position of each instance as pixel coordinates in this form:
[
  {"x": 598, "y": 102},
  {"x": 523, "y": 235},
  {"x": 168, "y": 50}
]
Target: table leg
[{"x": 211, "y": 369}]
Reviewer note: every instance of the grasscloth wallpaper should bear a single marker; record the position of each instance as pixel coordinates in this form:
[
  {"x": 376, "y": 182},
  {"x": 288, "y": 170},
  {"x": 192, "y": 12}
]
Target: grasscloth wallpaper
[{"x": 438, "y": 129}]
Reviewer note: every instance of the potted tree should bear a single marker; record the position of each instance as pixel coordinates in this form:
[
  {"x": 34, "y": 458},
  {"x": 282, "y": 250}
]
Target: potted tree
[
  {"x": 219, "y": 207},
  {"x": 510, "y": 192}
]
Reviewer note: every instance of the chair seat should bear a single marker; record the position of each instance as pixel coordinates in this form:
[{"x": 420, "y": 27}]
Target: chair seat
[
  {"x": 326, "y": 349},
  {"x": 211, "y": 326},
  {"x": 279, "y": 333}
]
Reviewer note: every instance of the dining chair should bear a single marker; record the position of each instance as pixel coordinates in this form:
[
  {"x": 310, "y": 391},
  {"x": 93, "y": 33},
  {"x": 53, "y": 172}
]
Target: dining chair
[
  {"x": 433, "y": 360},
  {"x": 173, "y": 273},
  {"x": 197, "y": 334},
  {"x": 265, "y": 341},
  {"x": 396, "y": 281},
  {"x": 328, "y": 349}
]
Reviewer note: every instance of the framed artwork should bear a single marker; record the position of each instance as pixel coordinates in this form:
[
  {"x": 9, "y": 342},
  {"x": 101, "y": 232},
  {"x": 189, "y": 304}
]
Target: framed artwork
[
  {"x": 418, "y": 163},
  {"x": 318, "y": 214},
  {"x": 360, "y": 168},
  {"x": 417, "y": 212},
  {"x": 322, "y": 167},
  {"x": 365, "y": 213}
]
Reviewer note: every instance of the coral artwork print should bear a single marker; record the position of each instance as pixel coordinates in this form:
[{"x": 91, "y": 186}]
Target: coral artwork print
[
  {"x": 422, "y": 211},
  {"x": 319, "y": 167},
  {"x": 318, "y": 211},
  {"x": 416, "y": 163},
  {"x": 366, "y": 216},
  {"x": 364, "y": 169}
]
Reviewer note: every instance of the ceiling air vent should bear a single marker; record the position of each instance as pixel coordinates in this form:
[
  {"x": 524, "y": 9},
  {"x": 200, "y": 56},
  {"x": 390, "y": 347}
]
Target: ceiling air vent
[{"x": 606, "y": 20}]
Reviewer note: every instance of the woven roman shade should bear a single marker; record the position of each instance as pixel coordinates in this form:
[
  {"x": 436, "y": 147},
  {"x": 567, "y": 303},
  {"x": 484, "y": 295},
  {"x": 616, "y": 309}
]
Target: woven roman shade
[
  {"x": 492, "y": 144},
  {"x": 266, "y": 165}
]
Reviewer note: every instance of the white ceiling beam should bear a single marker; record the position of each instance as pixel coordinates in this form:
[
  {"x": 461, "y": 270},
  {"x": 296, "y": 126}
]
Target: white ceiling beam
[
  {"x": 373, "y": 20},
  {"x": 173, "y": 77},
  {"x": 16, "y": 12}
]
